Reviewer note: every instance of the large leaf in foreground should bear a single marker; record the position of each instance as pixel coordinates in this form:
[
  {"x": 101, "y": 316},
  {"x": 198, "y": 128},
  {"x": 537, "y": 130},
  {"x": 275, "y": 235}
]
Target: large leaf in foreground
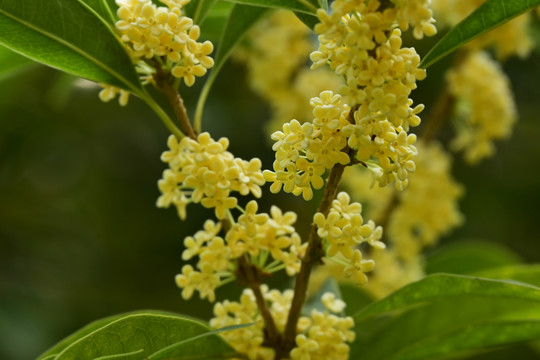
[
  {"x": 526, "y": 273},
  {"x": 69, "y": 36},
  {"x": 142, "y": 335},
  {"x": 488, "y": 16},
  {"x": 468, "y": 257},
  {"x": 445, "y": 316}
]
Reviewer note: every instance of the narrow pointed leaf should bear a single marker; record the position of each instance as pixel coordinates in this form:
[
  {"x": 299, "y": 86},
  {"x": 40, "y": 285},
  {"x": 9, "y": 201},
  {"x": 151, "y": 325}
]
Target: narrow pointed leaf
[
  {"x": 102, "y": 9},
  {"x": 447, "y": 316},
  {"x": 144, "y": 335},
  {"x": 309, "y": 20},
  {"x": 67, "y": 35},
  {"x": 303, "y": 6},
  {"x": 215, "y": 21},
  {"x": 240, "y": 20},
  {"x": 488, "y": 16},
  {"x": 198, "y": 10}
]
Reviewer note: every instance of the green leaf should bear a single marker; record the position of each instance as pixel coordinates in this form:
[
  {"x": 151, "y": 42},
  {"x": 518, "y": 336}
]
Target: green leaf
[
  {"x": 69, "y": 36},
  {"x": 309, "y": 20},
  {"x": 446, "y": 316},
  {"x": 143, "y": 335},
  {"x": 88, "y": 329},
  {"x": 527, "y": 273},
  {"x": 215, "y": 21},
  {"x": 102, "y": 9},
  {"x": 489, "y": 15},
  {"x": 469, "y": 257},
  {"x": 303, "y": 6},
  {"x": 355, "y": 297},
  {"x": 323, "y": 4},
  {"x": 198, "y": 10},
  {"x": 12, "y": 63},
  {"x": 240, "y": 20}
]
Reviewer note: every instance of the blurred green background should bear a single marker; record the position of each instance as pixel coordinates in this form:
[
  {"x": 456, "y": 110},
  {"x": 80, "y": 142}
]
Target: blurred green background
[{"x": 81, "y": 238}]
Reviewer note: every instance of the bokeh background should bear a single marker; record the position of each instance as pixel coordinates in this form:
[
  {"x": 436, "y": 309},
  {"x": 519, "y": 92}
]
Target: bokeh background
[{"x": 81, "y": 237}]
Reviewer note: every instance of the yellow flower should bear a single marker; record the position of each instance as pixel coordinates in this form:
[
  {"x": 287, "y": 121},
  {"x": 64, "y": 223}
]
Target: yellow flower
[
  {"x": 221, "y": 202},
  {"x": 250, "y": 219},
  {"x": 359, "y": 267},
  {"x": 109, "y": 92},
  {"x": 216, "y": 254}
]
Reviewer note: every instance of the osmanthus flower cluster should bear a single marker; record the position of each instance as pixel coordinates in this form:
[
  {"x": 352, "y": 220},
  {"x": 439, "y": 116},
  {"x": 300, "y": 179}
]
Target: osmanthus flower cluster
[
  {"x": 344, "y": 231},
  {"x": 414, "y": 218},
  {"x": 321, "y": 335},
  {"x": 370, "y": 117},
  {"x": 485, "y": 109},
  {"x": 203, "y": 171},
  {"x": 305, "y": 151},
  {"x": 269, "y": 240},
  {"x": 164, "y": 34}
]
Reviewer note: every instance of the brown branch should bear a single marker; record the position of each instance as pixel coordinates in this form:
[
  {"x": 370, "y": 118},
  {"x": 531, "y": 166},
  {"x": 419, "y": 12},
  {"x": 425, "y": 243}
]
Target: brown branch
[
  {"x": 252, "y": 276},
  {"x": 314, "y": 253},
  {"x": 164, "y": 83}
]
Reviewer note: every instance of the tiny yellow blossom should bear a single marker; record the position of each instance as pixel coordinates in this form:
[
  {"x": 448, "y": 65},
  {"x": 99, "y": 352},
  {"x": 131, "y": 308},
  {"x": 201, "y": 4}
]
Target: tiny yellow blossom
[{"x": 109, "y": 92}]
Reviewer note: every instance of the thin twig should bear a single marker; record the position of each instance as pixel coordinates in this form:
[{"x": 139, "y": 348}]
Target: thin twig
[
  {"x": 163, "y": 82},
  {"x": 251, "y": 275},
  {"x": 314, "y": 253}
]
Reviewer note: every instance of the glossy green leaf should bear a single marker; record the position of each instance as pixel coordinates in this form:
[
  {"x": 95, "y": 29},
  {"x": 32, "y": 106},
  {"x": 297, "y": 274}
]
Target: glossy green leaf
[
  {"x": 355, "y": 296},
  {"x": 309, "y": 20},
  {"x": 88, "y": 329},
  {"x": 142, "y": 335},
  {"x": 303, "y": 6},
  {"x": 240, "y": 20},
  {"x": 447, "y": 316},
  {"x": 198, "y": 10},
  {"x": 527, "y": 273},
  {"x": 12, "y": 63},
  {"x": 215, "y": 21},
  {"x": 488, "y": 16},
  {"x": 103, "y": 9},
  {"x": 469, "y": 257},
  {"x": 69, "y": 36}
]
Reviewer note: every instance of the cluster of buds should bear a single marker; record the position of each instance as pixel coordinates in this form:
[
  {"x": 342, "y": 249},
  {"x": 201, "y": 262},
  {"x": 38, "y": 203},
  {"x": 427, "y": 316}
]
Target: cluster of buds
[
  {"x": 305, "y": 151},
  {"x": 163, "y": 32},
  {"x": 203, "y": 171},
  {"x": 344, "y": 230},
  {"x": 269, "y": 240},
  {"x": 359, "y": 41},
  {"x": 321, "y": 336}
]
